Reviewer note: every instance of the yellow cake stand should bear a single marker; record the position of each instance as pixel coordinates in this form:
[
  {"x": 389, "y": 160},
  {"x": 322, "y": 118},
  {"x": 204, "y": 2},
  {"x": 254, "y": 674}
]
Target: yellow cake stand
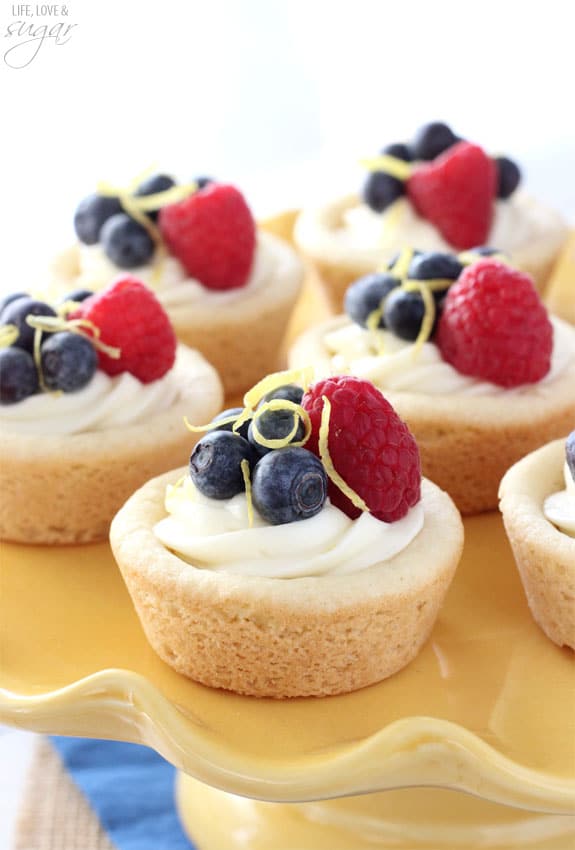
[{"x": 471, "y": 746}]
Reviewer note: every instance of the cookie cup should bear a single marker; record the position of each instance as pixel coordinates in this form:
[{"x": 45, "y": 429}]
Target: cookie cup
[
  {"x": 269, "y": 637},
  {"x": 466, "y": 442},
  {"x": 323, "y": 238},
  {"x": 544, "y": 555},
  {"x": 238, "y": 331},
  {"x": 66, "y": 488}
]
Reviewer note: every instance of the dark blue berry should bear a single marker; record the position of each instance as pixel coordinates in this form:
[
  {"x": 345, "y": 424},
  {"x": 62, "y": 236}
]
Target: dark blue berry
[
  {"x": 16, "y": 313},
  {"x": 18, "y": 375},
  {"x": 366, "y": 295},
  {"x": 432, "y": 140},
  {"x": 275, "y": 425},
  {"x": 404, "y": 312},
  {"x": 380, "y": 190},
  {"x": 508, "y": 176},
  {"x": 91, "y": 214},
  {"x": 484, "y": 251},
  {"x": 399, "y": 150},
  {"x": 76, "y": 295},
  {"x": 288, "y": 485},
  {"x": 570, "y": 453},
  {"x": 225, "y": 414},
  {"x": 289, "y": 392},
  {"x": 153, "y": 185},
  {"x": 68, "y": 361},
  {"x": 126, "y": 243},
  {"x": 202, "y": 182},
  {"x": 8, "y": 299},
  {"x": 434, "y": 265},
  {"x": 215, "y": 464}
]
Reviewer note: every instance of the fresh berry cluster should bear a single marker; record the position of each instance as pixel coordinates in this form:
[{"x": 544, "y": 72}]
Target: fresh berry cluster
[
  {"x": 488, "y": 319},
  {"x": 369, "y": 456},
  {"x": 123, "y": 329},
  {"x": 208, "y": 227},
  {"x": 449, "y": 181}
]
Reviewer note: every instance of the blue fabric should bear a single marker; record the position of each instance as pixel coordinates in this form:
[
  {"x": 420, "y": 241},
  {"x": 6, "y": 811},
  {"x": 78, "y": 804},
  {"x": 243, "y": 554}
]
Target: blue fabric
[{"x": 130, "y": 788}]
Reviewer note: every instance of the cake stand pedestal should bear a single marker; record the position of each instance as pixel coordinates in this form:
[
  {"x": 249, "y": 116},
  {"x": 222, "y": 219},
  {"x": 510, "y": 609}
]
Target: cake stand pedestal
[{"x": 487, "y": 708}]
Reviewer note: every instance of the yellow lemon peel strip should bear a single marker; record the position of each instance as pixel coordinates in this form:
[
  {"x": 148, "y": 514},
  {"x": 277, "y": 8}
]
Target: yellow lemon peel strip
[
  {"x": 271, "y": 382},
  {"x": 428, "y": 318},
  {"x": 401, "y": 265},
  {"x": 391, "y": 165},
  {"x": 8, "y": 335},
  {"x": 324, "y": 454},
  {"x": 198, "y": 429},
  {"x": 55, "y": 324},
  {"x": 245, "y": 466},
  {"x": 298, "y": 413}
]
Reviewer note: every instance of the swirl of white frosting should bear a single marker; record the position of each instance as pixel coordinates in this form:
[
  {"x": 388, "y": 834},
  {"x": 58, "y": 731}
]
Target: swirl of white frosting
[
  {"x": 560, "y": 507},
  {"x": 403, "y": 368},
  {"x": 215, "y": 535},
  {"x": 169, "y": 280}
]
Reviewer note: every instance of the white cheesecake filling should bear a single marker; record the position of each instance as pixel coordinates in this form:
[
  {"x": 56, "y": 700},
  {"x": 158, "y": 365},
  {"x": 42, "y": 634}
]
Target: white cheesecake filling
[
  {"x": 400, "y": 366},
  {"x": 516, "y": 222},
  {"x": 168, "y": 278},
  {"x": 560, "y": 507},
  {"x": 115, "y": 402},
  {"x": 215, "y": 535}
]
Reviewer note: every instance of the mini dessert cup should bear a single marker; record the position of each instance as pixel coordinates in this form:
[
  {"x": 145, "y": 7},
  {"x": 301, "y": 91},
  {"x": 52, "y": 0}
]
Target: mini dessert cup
[{"x": 544, "y": 554}]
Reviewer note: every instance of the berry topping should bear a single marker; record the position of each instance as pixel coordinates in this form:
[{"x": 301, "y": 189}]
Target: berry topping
[
  {"x": 68, "y": 361},
  {"x": 216, "y": 464},
  {"x": 433, "y": 265},
  {"x": 212, "y": 233},
  {"x": 404, "y": 313},
  {"x": 91, "y": 215},
  {"x": 508, "y": 176},
  {"x": 289, "y": 485},
  {"x": 130, "y": 317},
  {"x": 18, "y": 375},
  {"x": 16, "y": 312},
  {"x": 456, "y": 192},
  {"x": 8, "y": 299},
  {"x": 570, "y": 453},
  {"x": 369, "y": 446},
  {"x": 484, "y": 251},
  {"x": 433, "y": 139},
  {"x": 126, "y": 243},
  {"x": 380, "y": 190},
  {"x": 275, "y": 424},
  {"x": 287, "y": 392},
  {"x": 153, "y": 185},
  {"x": 366, "y": 295},
  {"x": 398, "y": 150},
  {"x": 495, "y": 327},
  {"x": 232, "y": 413}
]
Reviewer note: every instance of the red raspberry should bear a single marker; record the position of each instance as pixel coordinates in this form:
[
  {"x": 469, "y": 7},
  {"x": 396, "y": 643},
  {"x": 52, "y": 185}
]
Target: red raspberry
[
  {"x": 213, "y": 235},
  {"x": 455, "y": 192},
  {"x": 494, "y": 326},
  {"x": 130, "y": 317},
  {"x": 370, "y": 447}
]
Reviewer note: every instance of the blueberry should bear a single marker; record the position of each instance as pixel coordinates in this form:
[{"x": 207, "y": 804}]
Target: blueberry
[
  {"x": 15, "y": 314},
  {"x": 225, "y": 414},
  {"x": 484, "y": 251},
  {"x": 275, "y": 425},
  {"x": 8, "y": 299},
  {"x": 202, "y": 182},
  {"x": 570, "y": 453},
  {"x": 76, "y": 295},
  {"x": 154, "y": 184},
  {"x": 403, "y": 314},
  {"x": 432, "y": 139},
  {"x": 508, "y": 176},
  {"x": 68, "y": 361},
  {"x": 18, "y": 375},
  {"x": 126, "y": 243},
  {"x": 380, "y": 190},
  {"x": 435, "y": 265},
  {"x": 91, "y": 214},
  {"x": 215, "y": 464},
  {"x": 289, "y": 392},
  {"x": 399, "y": 150},
  {"x": 288, "y": 485},
  {"x": 366, "y": 295}
]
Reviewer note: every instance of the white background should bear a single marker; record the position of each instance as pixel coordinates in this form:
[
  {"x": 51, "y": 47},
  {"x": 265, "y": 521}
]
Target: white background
[{"x": 282, "y": 98}]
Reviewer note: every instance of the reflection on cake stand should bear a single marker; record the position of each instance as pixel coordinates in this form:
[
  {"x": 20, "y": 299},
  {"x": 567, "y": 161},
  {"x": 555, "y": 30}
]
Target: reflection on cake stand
[{"x": 487, "y": 708}]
